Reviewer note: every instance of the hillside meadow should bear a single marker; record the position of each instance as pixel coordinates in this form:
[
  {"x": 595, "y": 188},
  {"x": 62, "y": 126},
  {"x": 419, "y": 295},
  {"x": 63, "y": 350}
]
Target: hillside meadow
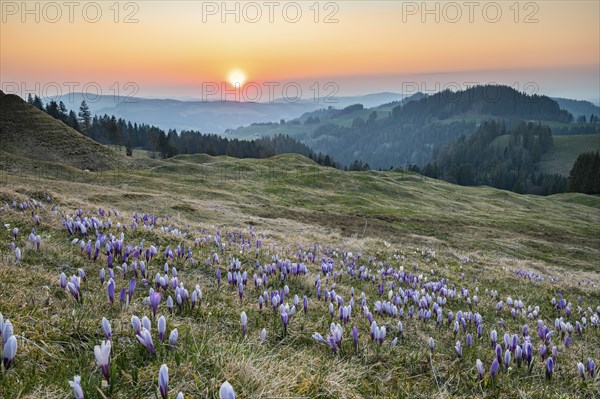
[{"x": 392, "y": 257}]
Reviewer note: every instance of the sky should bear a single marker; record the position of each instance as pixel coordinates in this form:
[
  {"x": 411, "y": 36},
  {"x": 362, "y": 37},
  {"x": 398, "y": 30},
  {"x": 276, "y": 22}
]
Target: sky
[{"x": 189, "y": 49}]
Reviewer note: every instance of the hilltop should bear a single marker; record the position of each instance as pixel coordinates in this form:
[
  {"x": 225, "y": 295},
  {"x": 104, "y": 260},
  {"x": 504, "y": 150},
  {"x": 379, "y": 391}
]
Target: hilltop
[
  {"x": 407, "y": 132},
  {"x": 30, "y": 133}
]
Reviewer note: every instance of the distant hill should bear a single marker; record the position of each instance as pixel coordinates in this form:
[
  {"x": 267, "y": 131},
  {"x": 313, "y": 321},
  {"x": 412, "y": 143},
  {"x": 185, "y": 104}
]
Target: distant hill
[
  {"x": 340, "y": 114},
  {"x": 578, "y": 107},
  {"x": 211, "y": 116},
  {"x": 409, "y": 133},
  {"x": 499, "y": 157},
  {"x": 30, "y": 133}
]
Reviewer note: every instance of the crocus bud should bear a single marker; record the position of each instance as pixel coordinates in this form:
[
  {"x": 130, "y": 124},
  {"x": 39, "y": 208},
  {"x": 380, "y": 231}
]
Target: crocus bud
[
  {"x": 162, "y": 328},
  {"x": 102, "y": 353},
  {"x": 549, "y": 367},
  {"x": 480, "y": 369},
  {"x": 76, "y": 385},
  {"x": 9, "y": 351},
  {"x": 163, "y": 381},
  {"x": 106, "y": 328},
  {"x": 226, "y": 391},
  {"x": 173, "y": 338},
  {"x": 244, "y": 321}
]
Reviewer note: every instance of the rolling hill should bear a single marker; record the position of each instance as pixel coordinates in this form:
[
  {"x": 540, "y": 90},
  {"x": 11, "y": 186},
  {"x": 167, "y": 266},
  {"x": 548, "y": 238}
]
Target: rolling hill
[
  {"x": 407, "y": 132},
  {"x": 29, "y": 133}
]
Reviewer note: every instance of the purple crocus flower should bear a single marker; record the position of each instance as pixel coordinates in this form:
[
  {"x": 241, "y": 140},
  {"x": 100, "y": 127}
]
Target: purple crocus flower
[
  {"x": 528, "y": 352},
  {"x": 163, "y": 381},
  {"x": 506, "y": 360},
  {"x": 494, "y": 368},
  {"x": 146, "y": 339},
  {"x": 74, "y": 287},
  {"x": 480, "y": 369},
  {"x": 263, "y": 334},
  {"x": 493, "y": 338},
  {"x": 458, "y": 349},
  {"x": 581, "y": 369},
  {"x": 106, "y": 328},
  {"x": 173, "y": 336},
  {"x": 9, "y": 351},
  {"x": 226, "y": 391},
  {"x": 305, "y": 304},
  {"x": 590, "y": 366},
  {"x": 123, "y": 296},
  {"x": 111, "y": 290},
  {"x": 549, "y": 367},
  {"x": 431, "y": 344},
  {"x": 499, "y": 353},
  {"x": 354, "y": 336},
  {"x": 81, "y": 274},
  {"x": 244, "y": 321},
  {"x": 131, "y": 288},
  {"x": 154, "y": 301},
  {"x": 162, "y": 328},
  {"x": 76, "y": 385},
  {"x": 102, "y": 353},
  {"x": 63, "y": 281},
  {"x": 102, "y": 276},
  {"x": 146, "y": 323},
  {"x": 136, "y": 324}
]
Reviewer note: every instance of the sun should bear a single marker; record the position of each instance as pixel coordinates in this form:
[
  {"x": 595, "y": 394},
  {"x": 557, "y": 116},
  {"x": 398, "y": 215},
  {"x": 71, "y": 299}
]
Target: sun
[{"x": 237, "y": 78}]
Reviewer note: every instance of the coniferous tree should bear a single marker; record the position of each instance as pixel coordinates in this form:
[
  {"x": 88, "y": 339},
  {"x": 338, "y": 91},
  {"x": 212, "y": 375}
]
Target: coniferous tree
[{"x": 85, "y": 116}]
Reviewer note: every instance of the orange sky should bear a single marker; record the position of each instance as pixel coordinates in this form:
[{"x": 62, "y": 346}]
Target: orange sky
[{"x": 171, "y": 47}]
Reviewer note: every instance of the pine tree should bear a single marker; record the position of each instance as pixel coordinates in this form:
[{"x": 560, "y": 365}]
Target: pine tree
[
  {"x": 85, "y": 116},
  {"x": 63, "y": 115},
  {"x": 37, "y": 102}
]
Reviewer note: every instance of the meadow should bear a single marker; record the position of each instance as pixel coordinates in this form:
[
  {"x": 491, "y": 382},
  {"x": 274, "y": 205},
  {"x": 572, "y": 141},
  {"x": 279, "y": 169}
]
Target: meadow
[{"x": 290, "y": 280}]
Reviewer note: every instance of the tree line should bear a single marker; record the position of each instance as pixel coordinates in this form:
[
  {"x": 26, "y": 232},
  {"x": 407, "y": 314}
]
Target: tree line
[
  {"x": 109, "y": 130},
  {"x": 499, "y": 157}
]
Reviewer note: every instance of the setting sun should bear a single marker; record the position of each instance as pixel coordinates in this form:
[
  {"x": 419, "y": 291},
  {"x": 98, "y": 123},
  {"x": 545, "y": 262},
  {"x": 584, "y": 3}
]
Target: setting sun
[{"x": 237, "y": 77}]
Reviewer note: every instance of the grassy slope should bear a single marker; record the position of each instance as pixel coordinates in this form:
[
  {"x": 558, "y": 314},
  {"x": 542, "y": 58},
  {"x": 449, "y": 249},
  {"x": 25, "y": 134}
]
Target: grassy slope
[
  {"x": 289, "y": 203},
  {"x": 31, "y": 133},
  {"x": 566, "y": 149}
]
